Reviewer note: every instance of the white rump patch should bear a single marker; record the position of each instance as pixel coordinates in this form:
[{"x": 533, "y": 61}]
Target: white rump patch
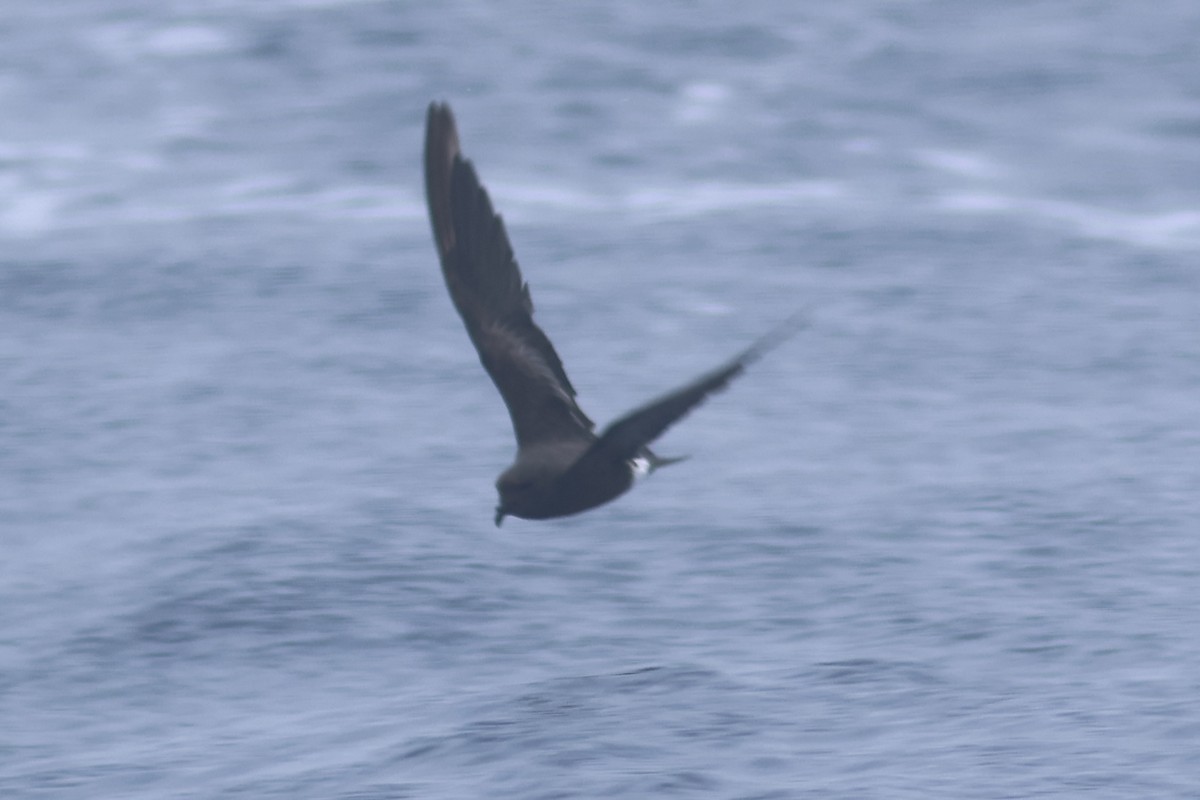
[{"x": 640, "y": 467}]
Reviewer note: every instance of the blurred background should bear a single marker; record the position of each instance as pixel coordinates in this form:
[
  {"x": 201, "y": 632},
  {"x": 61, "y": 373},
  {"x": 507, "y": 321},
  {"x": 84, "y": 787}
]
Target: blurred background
[{"x": 941, "y": 544}]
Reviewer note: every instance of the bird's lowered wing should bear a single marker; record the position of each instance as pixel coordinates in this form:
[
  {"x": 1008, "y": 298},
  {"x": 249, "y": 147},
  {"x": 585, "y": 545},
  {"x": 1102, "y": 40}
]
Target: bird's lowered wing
[
  {"x": 628, "y": 436},
  {"x": 492, "y": 298}
]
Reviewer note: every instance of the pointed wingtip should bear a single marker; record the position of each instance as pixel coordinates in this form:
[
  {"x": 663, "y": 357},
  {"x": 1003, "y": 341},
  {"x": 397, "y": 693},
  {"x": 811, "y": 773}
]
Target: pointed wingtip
[
  {"x": 441, "y": 151},
  {"x": 774, "y": 337},
  {"x": 441, "y": 133},
  {"x": 439, "y": 111}
]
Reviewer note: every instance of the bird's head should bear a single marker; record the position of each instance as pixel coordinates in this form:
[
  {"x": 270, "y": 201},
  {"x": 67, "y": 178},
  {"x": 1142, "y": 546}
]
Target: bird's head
[{"x": 519, "y": 488}]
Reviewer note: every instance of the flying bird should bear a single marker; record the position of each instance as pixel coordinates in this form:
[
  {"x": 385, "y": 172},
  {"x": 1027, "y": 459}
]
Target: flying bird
[{"x": 562, "y": 465}]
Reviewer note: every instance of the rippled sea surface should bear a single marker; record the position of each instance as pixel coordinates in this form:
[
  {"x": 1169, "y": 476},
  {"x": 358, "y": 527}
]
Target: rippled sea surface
[{"x": 942, "y": 544}]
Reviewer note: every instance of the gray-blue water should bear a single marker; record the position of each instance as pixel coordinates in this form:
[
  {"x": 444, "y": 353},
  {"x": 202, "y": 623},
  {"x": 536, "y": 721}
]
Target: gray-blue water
[{"x": 945, "y": 543}]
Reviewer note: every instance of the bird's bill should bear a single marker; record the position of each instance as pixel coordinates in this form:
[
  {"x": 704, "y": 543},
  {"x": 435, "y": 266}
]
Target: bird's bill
[{"x": 500, "y": 515}]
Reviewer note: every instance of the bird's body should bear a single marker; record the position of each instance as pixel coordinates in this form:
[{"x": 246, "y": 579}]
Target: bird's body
[
  {"x": 562, "y": 466},
  {"x": 540, "y": 484}
]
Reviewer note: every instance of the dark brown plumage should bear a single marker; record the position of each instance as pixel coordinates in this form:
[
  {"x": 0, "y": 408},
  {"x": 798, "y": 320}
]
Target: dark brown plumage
[{"x": 562, "y": 467}]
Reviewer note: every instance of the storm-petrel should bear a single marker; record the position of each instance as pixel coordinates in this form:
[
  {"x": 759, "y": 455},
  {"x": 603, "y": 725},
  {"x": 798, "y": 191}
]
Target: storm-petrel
[{"x": 562, "y": 467}]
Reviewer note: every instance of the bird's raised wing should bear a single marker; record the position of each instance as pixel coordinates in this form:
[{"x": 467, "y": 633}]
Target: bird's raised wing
[
  {"x": 628, "y": 436},
  {"x": 492, "y": 298}
]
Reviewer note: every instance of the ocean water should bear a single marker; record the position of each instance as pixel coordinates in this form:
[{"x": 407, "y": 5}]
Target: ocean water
[{"x": 944, "y": 543}]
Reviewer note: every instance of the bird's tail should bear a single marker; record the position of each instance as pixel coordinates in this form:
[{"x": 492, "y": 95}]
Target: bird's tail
[{"x": 656, "y": 461}]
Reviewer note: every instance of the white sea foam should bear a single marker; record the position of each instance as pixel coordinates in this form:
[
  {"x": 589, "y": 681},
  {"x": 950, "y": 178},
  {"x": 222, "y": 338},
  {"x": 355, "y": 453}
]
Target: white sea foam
[
  {"x": 130, "y": 41},
  {"x": 1171, "y": 229},
  {"x": 701, "y": 102},
  {"x": 27, "y": 212},
  {"x": 33, "y": 210},
  {"x": 959, "y": 163},
  {"x": 188, "y": 40},
  {"x": 30, "y": 207},
  {"x": 666, "y": 200}
]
